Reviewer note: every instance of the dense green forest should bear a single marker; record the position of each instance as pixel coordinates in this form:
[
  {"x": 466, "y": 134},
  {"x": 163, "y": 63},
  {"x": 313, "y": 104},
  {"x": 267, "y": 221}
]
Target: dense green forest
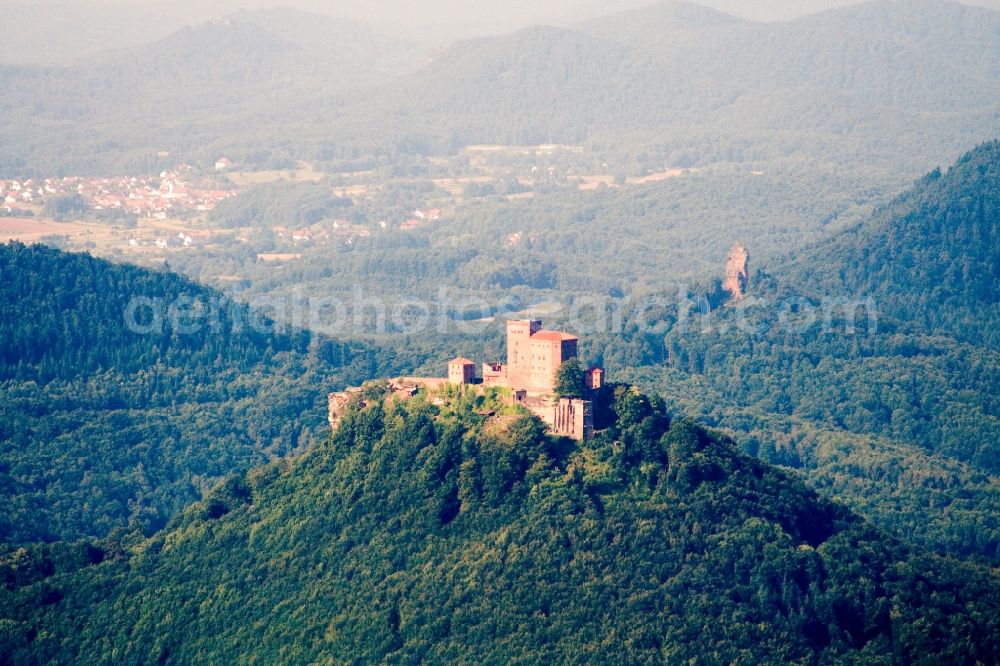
[
  {"x": 892, "y": 406},
  {"x": 434, "y": 533},
  {"x": 929, "y": 258},
  {"x": 906, "y": 440},
  {"x": 279, "y": 204},
  {"x": 106, "y": 426}
]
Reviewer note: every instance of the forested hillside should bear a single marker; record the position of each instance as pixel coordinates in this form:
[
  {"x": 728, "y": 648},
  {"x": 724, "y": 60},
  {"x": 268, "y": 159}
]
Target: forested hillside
[
  {"x": 437, "y": 534},
  {"x": 930, "y": 258},
  {"x": 106, "y": 425},
  {"x": 873, "y": 353},
  {"x": 920, "y": 54},
  {"x": 538, "y": 85}
]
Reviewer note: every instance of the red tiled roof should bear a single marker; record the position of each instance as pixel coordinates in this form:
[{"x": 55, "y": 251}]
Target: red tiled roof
[
  {"x": 460, "y": 360},
  {"x": 553, "y": 336}
]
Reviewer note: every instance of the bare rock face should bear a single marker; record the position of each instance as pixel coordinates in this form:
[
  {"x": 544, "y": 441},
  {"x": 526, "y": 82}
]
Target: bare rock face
[
  {"x": 737, "y": 272},
  {"x": 337, "y": 404}
]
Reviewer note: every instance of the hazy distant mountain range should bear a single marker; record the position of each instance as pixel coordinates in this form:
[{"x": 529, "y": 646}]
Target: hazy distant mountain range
[
  {"x": 906, "y": 83},
  {"x": 56, "y": 31}
]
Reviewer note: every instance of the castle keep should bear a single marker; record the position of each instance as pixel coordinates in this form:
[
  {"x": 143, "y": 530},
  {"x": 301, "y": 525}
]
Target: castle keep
[{"x": 533, "y": 359}]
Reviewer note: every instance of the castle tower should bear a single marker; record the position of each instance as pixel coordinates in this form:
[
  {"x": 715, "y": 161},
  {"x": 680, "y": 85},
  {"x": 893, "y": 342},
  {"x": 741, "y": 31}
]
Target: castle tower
[
  {"x": 519, "y": 332},
  {"x": 548, "y": 351},
  {"x": 593, "y": 379},
  {"x": 571, "y": 417},
  {"x": 461, "y": 371}
]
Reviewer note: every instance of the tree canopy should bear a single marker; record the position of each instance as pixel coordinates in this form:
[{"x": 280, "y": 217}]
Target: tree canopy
[
  {"x": 569, "y": 379},
  {"x": 421, "y": 532}
]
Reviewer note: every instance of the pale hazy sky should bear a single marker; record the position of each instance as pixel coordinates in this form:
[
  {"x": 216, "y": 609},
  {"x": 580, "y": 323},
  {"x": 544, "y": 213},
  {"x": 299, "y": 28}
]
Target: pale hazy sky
[
  {"x": 61, "y": 30},
  {"x": 456, "y": 10}
]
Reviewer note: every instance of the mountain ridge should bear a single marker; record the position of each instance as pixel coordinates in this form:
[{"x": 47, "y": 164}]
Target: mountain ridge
[{"x": 932, "y": 248}]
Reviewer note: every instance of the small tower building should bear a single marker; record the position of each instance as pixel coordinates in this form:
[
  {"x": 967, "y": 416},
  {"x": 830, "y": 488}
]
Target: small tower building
[
  {"x": 461, "y": 371},
  {"x": 593, "y": 379}
]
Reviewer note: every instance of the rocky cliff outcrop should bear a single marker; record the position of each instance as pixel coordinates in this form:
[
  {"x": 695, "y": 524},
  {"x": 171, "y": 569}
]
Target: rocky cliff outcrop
[{"x": 737, "y": 272}]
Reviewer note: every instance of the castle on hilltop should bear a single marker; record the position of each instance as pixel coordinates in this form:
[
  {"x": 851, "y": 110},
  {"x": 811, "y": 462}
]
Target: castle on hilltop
[{"x": 533, "y": 360}]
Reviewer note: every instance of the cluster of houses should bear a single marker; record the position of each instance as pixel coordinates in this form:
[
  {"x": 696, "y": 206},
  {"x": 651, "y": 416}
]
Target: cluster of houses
[
  {"x": 173, "y": 194},
  {"x": 15, "y": 192},
  {"x": 180, "y": 240},
  {"x": 520, "y": 238},
  {"x": 322, "y": 232},
  {"x": 169, "y": 194},
  {"x": 420, "y": 218},
  {"x": 346, "y": 231}
]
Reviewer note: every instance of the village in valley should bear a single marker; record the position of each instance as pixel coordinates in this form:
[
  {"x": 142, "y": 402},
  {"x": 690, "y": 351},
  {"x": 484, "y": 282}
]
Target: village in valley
[
  {"x": 147, "y": 217},
  {"x": 170, "y": 194},
  {"x": 170, "y": 211},
  {"x": 123, "y": 211}
]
